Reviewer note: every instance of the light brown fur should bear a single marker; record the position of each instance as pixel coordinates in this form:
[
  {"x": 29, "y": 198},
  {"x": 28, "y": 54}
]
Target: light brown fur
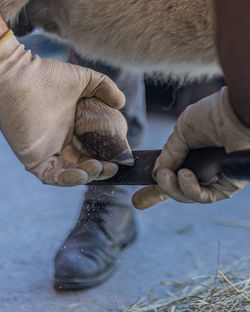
[
  {"x": 9, "y": 9},
  {"x": 176, "y": 36}
]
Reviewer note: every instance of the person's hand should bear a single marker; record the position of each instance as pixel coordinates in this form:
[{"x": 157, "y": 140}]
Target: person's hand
[
  {"x": 210, "y": 122},
  {"x": 37, "y": 113}
]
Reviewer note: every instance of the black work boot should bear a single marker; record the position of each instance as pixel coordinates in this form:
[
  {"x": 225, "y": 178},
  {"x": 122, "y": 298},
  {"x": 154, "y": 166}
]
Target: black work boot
[{"x": 106, "y": 225}]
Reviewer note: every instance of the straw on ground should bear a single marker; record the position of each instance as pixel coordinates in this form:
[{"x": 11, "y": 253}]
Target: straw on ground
[{"x": 228, "y": 291}]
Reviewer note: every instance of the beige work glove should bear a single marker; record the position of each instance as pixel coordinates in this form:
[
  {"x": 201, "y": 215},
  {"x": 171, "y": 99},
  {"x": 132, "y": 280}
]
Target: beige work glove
[
  {"x": 37, "y": 113},
  {"x": 210, "y": 122}
]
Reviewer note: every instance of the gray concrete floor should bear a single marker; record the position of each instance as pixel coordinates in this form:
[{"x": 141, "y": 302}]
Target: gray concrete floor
[{"x": 36, "y": 218}]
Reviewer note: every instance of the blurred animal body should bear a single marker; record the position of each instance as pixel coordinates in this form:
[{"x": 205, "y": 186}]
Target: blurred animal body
[
  {"x": 176, "y": 36},
  {"x": 9, "y": 9}
]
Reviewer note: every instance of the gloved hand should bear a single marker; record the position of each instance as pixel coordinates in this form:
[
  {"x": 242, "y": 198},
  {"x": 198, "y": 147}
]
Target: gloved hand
[
  {"x": 210, "y": 122},
  {"x": 38, "y": 101}
]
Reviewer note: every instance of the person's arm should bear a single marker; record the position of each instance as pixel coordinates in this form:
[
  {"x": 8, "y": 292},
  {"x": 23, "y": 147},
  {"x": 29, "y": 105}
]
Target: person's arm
[
  {"x": 3, "y": 27},
  {"x": 233, "y": 45}
]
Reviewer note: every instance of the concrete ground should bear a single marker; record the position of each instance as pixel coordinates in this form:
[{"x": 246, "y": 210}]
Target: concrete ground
[{"x": 174, "y": 240}]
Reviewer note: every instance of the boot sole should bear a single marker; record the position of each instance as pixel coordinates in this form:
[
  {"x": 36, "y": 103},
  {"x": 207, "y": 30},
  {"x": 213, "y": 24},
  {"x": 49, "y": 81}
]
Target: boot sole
[{"x": 78, "y": 284}]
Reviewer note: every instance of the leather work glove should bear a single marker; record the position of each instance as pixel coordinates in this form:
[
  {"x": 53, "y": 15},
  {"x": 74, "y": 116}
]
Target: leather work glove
[
  {"x": 37, "y": 113},
  {"x": 210, "y": 122}
]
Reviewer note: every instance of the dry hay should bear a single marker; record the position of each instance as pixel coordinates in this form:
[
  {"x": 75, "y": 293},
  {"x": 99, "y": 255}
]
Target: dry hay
[{"x": 228, "y": 290}]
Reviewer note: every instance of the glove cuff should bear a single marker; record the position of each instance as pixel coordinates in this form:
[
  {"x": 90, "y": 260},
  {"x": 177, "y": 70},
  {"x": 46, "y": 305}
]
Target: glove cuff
[
  {"x": 9, "y": 47},
  {"x": 12, "y": 56},
  {"x": 236, "y": 134},
  {"x": 6, "y": 36},
  {"x": 230, "y": 113}
]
